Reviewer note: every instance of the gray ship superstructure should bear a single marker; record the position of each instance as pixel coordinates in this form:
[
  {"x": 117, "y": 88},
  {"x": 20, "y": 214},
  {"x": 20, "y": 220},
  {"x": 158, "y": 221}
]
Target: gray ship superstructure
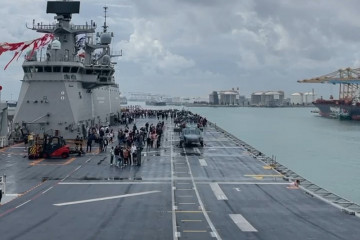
[{"x": 73, "y": 87}]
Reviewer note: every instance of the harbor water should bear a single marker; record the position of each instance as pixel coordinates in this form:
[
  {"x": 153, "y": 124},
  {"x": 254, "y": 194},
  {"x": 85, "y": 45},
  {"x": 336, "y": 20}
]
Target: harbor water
[{"x": 324, "y": 151}]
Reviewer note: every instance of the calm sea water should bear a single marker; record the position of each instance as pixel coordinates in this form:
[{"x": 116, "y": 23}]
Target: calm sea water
[{"x": 324, "y": 151}]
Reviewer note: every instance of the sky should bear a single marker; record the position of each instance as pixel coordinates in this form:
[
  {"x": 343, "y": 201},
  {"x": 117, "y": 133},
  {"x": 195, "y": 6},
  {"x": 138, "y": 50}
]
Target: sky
[{"x": 189, "y": 48}]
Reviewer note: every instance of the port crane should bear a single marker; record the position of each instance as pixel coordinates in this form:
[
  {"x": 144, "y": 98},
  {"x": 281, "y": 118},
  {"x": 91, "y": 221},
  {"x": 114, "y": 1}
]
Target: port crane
[{"x": 348, "y": 79}]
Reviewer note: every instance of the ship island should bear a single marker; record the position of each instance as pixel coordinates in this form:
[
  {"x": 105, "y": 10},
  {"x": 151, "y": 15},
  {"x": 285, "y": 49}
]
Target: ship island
[{"x": 72, "y": 87}]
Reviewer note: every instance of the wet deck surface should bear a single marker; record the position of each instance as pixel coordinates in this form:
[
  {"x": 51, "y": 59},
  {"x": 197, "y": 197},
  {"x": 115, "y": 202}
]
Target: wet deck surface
[{"x": 218, "y": 191}]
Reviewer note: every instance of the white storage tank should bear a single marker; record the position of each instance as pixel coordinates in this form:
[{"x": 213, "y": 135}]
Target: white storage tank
[
  {"x": 296, "y": 99},
  {"x": 309, "y": 97}
]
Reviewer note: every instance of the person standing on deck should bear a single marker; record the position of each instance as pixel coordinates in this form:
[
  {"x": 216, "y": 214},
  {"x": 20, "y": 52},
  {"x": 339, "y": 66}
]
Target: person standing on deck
[
  {"x": 112, "y": 155},
  {"x": 133, "y": 154},
  {"x": 89, "y": 143}
]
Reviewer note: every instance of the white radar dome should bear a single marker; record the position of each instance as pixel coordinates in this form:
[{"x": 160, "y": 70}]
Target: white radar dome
[
  {"x": 105, "y": 38},
  {"x": 56, "y": 45}
]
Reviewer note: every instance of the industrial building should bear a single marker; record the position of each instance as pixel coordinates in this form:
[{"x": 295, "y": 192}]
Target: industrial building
[
  {"x": 227, "y": 97},
  {"x": 267, "y": 98},
  {"x": 297, "y": 98},
  {"x": 302, "y": 98}
]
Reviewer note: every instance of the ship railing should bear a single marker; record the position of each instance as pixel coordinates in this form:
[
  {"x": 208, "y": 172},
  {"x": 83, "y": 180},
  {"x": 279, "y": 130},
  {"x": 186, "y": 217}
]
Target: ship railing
[
  {"x": 83, "y": 27},
  {"x": 44, "y": 27},
  {"x": 3, "y": 141},
  {"x": 3, "y": 183},
  {"x": 72, "y": 27}
]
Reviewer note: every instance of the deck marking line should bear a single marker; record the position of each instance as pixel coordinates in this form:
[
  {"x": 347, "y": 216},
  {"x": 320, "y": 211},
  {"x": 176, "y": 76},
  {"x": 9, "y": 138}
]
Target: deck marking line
[
  {"x": 110, "y": 183},
  {"x": 191, "y": 220},
  {"x": 105, "y": 198},
  {"x": 47, "y": 189},
  {"x": 263, "y": 175},
  {"x": 195, "y": 231},
  {"x": 204, "y": 212},
  {"x": 37, "y": 162},
  {"x": 220, "y": 195},
  {"x": 8, "y": 211},
  {"x": 213, "y": 234},
  {"x": 197, "y": 150},
  {"x": 202, "y": 162},
  {"x": 173, "y": 213},
  {"x": 69, "y": 161},
  {"x": 23, "y": 203},
  {"x": 242, "y": 223}
]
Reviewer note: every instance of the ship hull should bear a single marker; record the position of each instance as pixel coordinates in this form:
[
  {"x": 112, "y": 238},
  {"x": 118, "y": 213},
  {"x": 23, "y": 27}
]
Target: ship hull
[
  {"x": 65, "y": 107},
  {"x": 338, "y": 109}
]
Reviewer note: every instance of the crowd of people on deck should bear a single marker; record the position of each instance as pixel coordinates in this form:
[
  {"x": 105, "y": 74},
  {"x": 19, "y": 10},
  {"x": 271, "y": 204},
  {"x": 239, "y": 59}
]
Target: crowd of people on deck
[{"x": 132, "y": 140}]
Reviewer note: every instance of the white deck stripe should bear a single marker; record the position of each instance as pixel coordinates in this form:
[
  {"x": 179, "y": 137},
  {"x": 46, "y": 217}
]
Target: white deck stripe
[
  {"x": 109, "y": 183},
  {"x": 23, "y": 204},
  {"x": 242, "y": 223},
  {"x": 201, "y": 204},
  {"x": 220, "y": 195},
  {"x": 197, "y": 150},
  {"x": 47, "y": 189},
  {"x": 105, "y": 198},
  {"x": 203, "y": 162},
  {"x": 173, "y": 214}
]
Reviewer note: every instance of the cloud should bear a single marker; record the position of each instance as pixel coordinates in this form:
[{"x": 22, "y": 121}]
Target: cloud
[{"x": 204, "y": 45}]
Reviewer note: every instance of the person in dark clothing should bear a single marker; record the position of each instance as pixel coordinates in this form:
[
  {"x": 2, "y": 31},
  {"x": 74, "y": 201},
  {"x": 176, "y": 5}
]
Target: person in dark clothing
[{"x": 89, "y": 143}]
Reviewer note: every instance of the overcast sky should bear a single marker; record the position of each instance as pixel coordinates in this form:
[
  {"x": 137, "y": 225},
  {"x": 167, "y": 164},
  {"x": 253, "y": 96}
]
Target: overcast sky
[{"x": 192, "y": 47}]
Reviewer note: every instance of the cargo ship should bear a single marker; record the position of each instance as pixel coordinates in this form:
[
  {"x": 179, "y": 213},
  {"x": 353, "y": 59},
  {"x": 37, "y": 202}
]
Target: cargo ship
[{"x": 347, "y": 106}]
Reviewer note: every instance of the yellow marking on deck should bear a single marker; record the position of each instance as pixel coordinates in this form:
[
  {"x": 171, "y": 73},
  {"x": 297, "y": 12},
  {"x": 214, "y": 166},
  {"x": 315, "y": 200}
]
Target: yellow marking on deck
[
  {"x": 195, "y": 231},
  {"x": 69, "y": 161},
  {"x": 267, "y": 167},
  {"x": 36, "y": 162},
  {"x": 261, "y": 176}
]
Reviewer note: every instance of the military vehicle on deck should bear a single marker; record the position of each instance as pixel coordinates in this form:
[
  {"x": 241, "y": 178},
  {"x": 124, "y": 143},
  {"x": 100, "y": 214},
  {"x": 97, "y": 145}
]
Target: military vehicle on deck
[{"x": 191, "y": 135}]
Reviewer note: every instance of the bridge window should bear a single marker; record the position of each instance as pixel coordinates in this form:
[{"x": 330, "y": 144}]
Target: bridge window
[
  {"x": 66, "y": 69},
  {"x": 105, "y": 72},
  {"x": 47, "y": 69},
  {"x": 74, "y": 69},
  {"x": 39, "y": 69},
  {"x": 26, "y": 69},
  {"x": 57, "y": 69}
]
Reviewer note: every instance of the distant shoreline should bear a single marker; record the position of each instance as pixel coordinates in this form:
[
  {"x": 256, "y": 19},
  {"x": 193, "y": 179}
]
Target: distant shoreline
[{"x": 237, "y": 106}]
